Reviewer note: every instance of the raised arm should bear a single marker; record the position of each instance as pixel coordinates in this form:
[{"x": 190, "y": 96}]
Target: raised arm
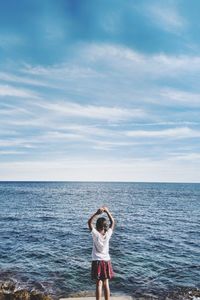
[
  {"x": 112, "y": 221},
  {"x": 98, "y": 212}
]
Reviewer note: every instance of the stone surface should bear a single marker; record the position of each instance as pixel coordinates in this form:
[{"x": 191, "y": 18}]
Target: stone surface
[{"x": 122, "y": 297}]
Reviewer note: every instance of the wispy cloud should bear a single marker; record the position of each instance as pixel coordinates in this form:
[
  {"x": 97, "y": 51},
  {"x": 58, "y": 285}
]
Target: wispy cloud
[
  {"x": 108, "y": 145},
  {"x": 11, "y": 152},
  {"x": 21, "y": 79},
  {"x": 166, "y": 16},
  {"x": 63, "y": 136},
  {"x": 177, "y": 133},
  {"x": 8, "y": 90},
  {"x": 139, "y": 63},
  {"x": 185, "y": 156},
  {"x": 125, "y": 73},
  {"x": 178, "y": 97},
  {"x": 92, "y": 111},
  {"x": 17, "y": 142},
  {"x": 60, "y": 71},
  {"x": 116, "y": 60}
]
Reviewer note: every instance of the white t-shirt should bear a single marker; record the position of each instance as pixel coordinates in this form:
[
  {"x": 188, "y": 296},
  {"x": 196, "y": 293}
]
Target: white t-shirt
[{"x": 100, "y": 250}]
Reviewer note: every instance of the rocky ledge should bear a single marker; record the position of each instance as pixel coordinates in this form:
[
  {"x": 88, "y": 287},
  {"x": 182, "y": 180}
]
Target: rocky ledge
[{"x": 8, "y": 291}]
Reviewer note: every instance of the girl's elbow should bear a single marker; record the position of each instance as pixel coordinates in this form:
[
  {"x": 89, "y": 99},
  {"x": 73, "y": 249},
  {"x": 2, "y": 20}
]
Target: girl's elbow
[{"x": 113, "y": 224}]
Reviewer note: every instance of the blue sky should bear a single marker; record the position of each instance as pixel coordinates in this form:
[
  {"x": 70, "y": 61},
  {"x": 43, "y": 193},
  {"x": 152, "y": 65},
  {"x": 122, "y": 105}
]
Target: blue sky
[{"x": 100, "y": 90}]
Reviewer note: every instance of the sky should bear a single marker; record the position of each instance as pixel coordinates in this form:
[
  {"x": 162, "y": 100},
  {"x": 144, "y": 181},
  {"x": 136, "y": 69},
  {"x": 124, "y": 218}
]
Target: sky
[{"x": 100, "y": 90}]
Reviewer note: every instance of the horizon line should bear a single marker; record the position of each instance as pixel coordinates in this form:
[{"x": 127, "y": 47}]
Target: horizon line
[{"x": 97, "y": 181}]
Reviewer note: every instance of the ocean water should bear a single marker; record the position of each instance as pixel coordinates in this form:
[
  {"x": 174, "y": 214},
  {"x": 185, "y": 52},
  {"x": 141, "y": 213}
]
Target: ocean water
[{"x": 45, "y": 243}]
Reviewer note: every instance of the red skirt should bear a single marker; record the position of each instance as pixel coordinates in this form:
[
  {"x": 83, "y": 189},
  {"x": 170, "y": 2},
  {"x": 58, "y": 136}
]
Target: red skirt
[{"x": 102, "y": 270}]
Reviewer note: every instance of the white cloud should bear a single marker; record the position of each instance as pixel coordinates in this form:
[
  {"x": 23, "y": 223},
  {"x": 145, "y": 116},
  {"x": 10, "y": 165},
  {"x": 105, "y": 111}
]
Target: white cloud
[
  {"x": 94, "y": 52},
  {"x": 89, "y": 130},
  {"x": 62, "y": 71},
  {"x": 192, "y": 157},
  {"x": 135, "y": 63},
  {"x": 165, "y": 16},
  {"x": 21, "y": 79},
  {"x": 178, "y": 97},
  {"x": 125, "y": 76},
  {"x": 165, "y": 123},
  {"x": 117, "y": 63},
  {"x": 63, "y": 136},
  {"x": 92, "y": 111},
  {"x": 176, "y": 133},
  {"x": 14, "y": 110},
  {"x": 7, "y": 90},
  {"x": 17, "y": 142},
  {"x": 109, "y": 145},
  {"x": 11, "y": 152}
]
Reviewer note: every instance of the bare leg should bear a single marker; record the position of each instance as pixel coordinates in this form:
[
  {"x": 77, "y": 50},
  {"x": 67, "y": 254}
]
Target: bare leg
[
  {"x": 99, "y": 285},
  {"x": 106, "y": 289}
]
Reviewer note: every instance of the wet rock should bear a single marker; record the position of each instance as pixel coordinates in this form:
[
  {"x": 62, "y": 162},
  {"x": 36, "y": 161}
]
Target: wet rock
[
  {"x": 8, "y": 287},
  {"x": 47, "y": 297},
  {"x": 196, "y": 293},
  {"x": 8, "y": 291},
  {"x": 8, "y": 297},
  {"x": 34, "y": 295},
  {"x": 22, "y": 295},
  {"x": 184, "y": 294},
  {"x": 1, "y": 296}
]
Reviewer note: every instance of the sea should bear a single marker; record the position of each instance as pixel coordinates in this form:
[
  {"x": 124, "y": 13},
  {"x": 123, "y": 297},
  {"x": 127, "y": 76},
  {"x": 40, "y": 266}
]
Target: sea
[{"x": 45, "y": 243}]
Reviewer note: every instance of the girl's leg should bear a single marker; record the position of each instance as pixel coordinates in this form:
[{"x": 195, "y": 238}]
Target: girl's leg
[
  {"x": 106, "y": 289},
  {"x": 99, "y": 285}
]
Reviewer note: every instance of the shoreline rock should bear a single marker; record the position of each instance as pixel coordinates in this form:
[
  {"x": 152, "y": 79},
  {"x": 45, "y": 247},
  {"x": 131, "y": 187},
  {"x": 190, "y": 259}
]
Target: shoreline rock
[
  {"x": 12, "y": 290},
  {"x": 9, "y": 291}
]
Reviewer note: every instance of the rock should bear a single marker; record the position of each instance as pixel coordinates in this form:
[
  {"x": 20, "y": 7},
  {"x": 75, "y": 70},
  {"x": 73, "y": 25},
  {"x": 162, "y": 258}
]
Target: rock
[
  {"x": 8, "y": 292},
  {"x": 8, "y": 287},
  {"x": 22, "y": 295},
  {"x": 34, "y": 295},
  {"x": 8, "y": 296},
  {"x": 1, "y": 296},
  {"x": 47, "y": 297}
]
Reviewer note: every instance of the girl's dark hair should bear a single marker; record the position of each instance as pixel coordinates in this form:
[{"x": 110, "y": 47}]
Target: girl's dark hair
[{"x": 100, "y": 222}]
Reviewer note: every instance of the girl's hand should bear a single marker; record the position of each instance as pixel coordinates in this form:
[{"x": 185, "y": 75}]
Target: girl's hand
[
  {"x": 99, "y": 211},
  {"x": 105, "y": 209}
]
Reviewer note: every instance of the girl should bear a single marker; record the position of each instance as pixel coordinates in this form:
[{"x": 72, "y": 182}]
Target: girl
[{"x": 101, "y": 265}]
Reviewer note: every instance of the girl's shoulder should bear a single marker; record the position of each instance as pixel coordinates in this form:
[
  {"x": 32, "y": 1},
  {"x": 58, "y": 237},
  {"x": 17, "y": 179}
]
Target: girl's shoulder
[
  {"x": 109, "y": 232},
  {"x": 94, "y": 232}
]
